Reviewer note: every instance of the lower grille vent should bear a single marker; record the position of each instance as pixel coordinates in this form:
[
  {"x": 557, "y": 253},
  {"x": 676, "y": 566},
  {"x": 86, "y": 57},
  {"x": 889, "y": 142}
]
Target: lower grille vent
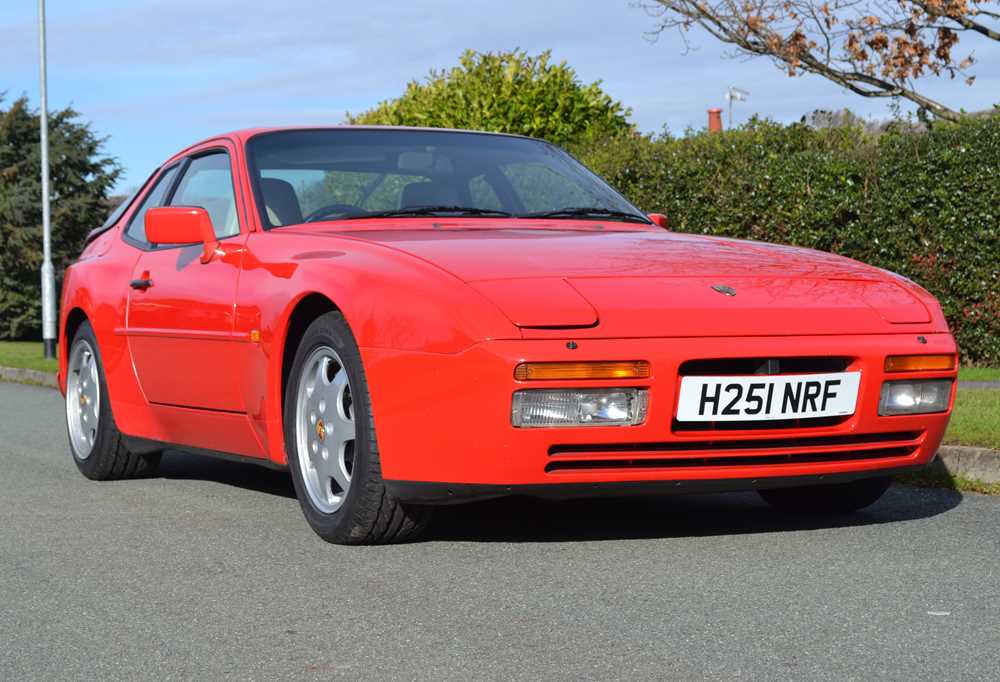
[
  {"x": 752, "y": 460},
  {"x": 728, "y": 453},
  {"x": 748, "y": 444}
]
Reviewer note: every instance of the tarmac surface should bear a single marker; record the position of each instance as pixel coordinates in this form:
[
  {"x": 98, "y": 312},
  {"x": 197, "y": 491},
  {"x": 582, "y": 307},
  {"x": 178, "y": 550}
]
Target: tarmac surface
[{"x": 209, "y": 571}]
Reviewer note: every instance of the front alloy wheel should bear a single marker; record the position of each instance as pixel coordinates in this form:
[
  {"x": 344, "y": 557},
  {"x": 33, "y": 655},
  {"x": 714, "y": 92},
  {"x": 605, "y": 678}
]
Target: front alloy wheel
[
  {"x": 325, "y": 429},
  {"x": 330, "y": 441}
]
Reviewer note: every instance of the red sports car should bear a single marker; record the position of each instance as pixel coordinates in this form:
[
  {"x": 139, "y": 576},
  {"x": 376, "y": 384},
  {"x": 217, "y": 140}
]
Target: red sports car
[{"x": 405, "y": 318}]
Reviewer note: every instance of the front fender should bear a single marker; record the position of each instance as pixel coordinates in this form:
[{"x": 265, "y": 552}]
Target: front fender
[{"x": 391, "y": 300}]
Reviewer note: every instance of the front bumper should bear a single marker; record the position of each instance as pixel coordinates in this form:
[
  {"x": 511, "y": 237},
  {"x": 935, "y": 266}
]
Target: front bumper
[
  {"x": 445, "y": 420},
  {"x": 420, "y": 492}
]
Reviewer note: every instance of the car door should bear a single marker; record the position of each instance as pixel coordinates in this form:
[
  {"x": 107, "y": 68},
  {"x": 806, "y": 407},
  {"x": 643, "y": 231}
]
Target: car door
[{"x": 180, "y": 310}]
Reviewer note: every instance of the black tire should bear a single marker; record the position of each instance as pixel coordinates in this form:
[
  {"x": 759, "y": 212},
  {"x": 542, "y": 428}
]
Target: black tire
[
  {"x": 837, "y": 498},
  {"x": 109, "y": 459},
  {"x": 368, "y": 514}
]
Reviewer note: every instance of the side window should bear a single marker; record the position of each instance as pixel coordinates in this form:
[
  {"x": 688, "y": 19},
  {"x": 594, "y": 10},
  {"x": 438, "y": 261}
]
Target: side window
[
  {"x": 136, "y": 229},
  {"x": 208, "y": 183}
]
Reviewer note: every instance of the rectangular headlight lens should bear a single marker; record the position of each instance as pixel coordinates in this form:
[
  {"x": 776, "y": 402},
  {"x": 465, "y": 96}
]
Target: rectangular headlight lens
[
  {"x": 579, "y": 407},
  {"x": 915, "y": 397}
]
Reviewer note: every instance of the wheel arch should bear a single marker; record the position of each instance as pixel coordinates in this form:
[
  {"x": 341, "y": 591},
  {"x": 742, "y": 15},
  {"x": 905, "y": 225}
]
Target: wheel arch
[
  {"x": 74, "y": 318},
  {"x": 306, "y": 309}
]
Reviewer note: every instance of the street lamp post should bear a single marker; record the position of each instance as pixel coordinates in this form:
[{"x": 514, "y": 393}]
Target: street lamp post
[{"x": 48, "y": 273}]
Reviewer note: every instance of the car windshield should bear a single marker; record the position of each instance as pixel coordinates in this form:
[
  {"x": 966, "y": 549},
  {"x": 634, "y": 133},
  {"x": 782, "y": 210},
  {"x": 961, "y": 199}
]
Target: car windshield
[{"x": 351, "y": 174}]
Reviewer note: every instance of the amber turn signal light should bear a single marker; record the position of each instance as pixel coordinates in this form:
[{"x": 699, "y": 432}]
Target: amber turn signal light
[
  {"x": 920, "y": 363},
  {"x": 540, "y": 371}
]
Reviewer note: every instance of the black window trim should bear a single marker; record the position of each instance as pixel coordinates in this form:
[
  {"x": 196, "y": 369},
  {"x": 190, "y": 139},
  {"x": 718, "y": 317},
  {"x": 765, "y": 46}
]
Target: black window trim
[
  {"x": 260, "y": 208},
  {"x": 144, "y": 245},
  {"x": 182, "y": 166},
  {"x": 107, "y": 227}
]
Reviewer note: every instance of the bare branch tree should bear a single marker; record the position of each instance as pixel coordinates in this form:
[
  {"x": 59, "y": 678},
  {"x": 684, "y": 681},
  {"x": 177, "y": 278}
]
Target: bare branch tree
[{"x": 875, "y": 48}]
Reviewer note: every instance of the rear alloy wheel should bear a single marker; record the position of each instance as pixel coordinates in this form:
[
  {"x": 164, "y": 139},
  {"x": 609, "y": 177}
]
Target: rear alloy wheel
[
  {"x": 330, "y": 441},
  {"x": 836, "y": 498},
  {"x": 83, "y": 399},
  {"x": 97, "y": 445}
]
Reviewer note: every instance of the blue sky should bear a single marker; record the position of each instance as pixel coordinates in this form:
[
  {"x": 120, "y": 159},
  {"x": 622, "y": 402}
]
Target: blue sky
[{"x": 158, "y": 75}]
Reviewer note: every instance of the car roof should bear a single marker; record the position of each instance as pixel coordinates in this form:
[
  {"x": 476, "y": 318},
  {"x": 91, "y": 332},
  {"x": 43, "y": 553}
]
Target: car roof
[{"x": 245, "y": 134}]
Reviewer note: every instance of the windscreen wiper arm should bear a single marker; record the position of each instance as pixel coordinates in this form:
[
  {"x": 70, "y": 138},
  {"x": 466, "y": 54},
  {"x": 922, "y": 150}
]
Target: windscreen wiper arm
[
  {"x": 587, "y": 212},
  {"x": 432, "y": 210}
]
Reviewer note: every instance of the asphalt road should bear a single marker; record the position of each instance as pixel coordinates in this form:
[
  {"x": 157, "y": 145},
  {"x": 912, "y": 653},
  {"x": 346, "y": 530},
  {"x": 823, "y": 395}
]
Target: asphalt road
[{"x": 209, "y": 571}]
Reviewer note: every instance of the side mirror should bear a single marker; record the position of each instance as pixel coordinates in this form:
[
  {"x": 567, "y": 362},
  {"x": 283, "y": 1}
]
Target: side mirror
[
  {"x": 181, "y": 225},
  {"x": 660, "y": 220}
]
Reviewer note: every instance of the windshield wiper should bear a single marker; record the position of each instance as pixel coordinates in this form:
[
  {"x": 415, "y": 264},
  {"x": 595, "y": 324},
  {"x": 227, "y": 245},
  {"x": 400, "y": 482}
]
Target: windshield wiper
[
  {"x": 587, "y": 212},
  {"x": 431, "y": 210}
]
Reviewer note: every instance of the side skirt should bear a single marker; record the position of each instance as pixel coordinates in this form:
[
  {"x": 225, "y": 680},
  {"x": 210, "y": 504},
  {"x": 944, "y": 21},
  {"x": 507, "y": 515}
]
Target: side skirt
[{"x": 145, "y": 446}]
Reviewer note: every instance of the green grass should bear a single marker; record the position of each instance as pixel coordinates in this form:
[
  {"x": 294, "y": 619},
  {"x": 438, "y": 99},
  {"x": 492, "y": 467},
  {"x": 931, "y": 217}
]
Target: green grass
[
  {"x": 25, "y": 355},
  {"x": 979, "y": 374},
  {"x": 976, "y": 419}
]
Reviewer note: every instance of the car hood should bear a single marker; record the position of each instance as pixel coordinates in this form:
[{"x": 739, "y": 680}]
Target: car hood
[
  {"x": 656, "y": 283},
  {"x": 489, "y": 254}
]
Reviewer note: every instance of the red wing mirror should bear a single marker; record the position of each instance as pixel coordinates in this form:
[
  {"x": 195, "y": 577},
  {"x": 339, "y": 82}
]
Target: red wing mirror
[
  {"x": 181, "y": 225},
  {"x": 660, "y": 219}
]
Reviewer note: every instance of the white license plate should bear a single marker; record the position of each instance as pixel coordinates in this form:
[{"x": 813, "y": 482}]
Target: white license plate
[{"x": 759, "y": 398}]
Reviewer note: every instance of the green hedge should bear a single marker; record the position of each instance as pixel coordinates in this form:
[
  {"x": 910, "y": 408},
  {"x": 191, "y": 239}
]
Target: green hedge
[{"x": 923, "y": 204}]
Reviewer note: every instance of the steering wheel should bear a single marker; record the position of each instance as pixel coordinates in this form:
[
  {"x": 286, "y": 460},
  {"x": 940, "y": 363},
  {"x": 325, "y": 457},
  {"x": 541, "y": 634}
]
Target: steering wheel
[{"x": 331, "y": 209}]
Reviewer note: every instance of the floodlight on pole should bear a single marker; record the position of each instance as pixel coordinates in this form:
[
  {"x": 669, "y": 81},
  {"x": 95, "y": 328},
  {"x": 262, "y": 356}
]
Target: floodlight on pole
[
  {"x": 734, "y": 94},
  {"x": 48, "y": 273}
]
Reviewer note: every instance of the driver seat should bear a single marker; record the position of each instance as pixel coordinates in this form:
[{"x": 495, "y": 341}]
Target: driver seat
[{"x": 281, "y": 202}]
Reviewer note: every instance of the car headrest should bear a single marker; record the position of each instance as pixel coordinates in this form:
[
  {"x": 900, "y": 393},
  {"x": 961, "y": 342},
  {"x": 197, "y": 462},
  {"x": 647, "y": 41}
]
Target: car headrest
[
  {"x": 281, "y": 201},
  {"x": 418, "y": 194}
]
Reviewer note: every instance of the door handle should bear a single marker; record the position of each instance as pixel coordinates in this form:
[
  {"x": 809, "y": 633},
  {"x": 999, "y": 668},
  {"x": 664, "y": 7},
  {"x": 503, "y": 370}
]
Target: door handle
[{"x": 141, "y": 284}]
